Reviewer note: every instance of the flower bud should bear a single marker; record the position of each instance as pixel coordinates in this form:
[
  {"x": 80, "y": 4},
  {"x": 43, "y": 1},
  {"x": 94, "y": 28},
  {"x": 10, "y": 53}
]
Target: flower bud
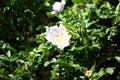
[{"x": 88, "y": 73}]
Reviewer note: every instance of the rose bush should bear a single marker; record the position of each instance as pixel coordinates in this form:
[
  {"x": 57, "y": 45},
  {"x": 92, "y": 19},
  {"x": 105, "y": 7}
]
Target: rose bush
[{"x": 60, "y": 40}]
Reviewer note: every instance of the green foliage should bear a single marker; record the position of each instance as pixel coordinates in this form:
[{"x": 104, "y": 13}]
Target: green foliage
[{"x": 26, "y": 54}]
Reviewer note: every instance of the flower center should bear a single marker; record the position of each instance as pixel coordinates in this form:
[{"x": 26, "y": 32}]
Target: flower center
[{"x": 59, "y": 39}]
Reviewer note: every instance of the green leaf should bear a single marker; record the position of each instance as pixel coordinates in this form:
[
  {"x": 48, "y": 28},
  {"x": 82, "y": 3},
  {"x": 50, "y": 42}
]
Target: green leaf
[
  {"x": 13, "y": 57},
  {"x": 46, "y": 63},
  {"x": 47, "y": 4},
  {"x": 3, "y": 64},
  {"x": 3, "y": 57},
  {"x": 118, "y": 7},
  {"x": 9, "y": 53},
  {"x": 41, "y": 47},
  {"x": 116, "y": 20},
  {"x": 101, "y": 73},
  {"x": 117, "y": 58},
  {"x": 110, "y": 70},
  {"x": 53, "y": 74},
  {"x": 53, "y": 60},
  {"x": 2, "y": 71}
]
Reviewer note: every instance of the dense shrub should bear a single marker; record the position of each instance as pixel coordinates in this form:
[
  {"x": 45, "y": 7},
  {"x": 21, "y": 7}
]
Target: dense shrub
[{"x": 92, "y": 51}]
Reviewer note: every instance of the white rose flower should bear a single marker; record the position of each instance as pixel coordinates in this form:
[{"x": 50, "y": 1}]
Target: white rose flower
[
  {"x": 58, "y": 7},
  {"x": 58, "y": 36}
]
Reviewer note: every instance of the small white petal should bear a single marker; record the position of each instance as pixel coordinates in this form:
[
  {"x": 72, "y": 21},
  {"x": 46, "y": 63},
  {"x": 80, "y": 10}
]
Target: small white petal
[
  {"x": 63, "y": 2},
  {"x": 62, "y": 27}
]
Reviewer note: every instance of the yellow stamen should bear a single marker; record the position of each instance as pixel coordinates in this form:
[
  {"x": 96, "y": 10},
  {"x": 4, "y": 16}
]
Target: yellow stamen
[{"x": 59, "y": 39}]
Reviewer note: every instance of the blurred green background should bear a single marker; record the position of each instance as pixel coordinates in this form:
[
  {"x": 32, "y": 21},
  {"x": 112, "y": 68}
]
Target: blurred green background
[{"x": 26, "y": 55}]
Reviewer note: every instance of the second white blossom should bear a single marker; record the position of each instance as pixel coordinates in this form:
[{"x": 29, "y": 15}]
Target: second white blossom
[{"x": 58, "y": 6}]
